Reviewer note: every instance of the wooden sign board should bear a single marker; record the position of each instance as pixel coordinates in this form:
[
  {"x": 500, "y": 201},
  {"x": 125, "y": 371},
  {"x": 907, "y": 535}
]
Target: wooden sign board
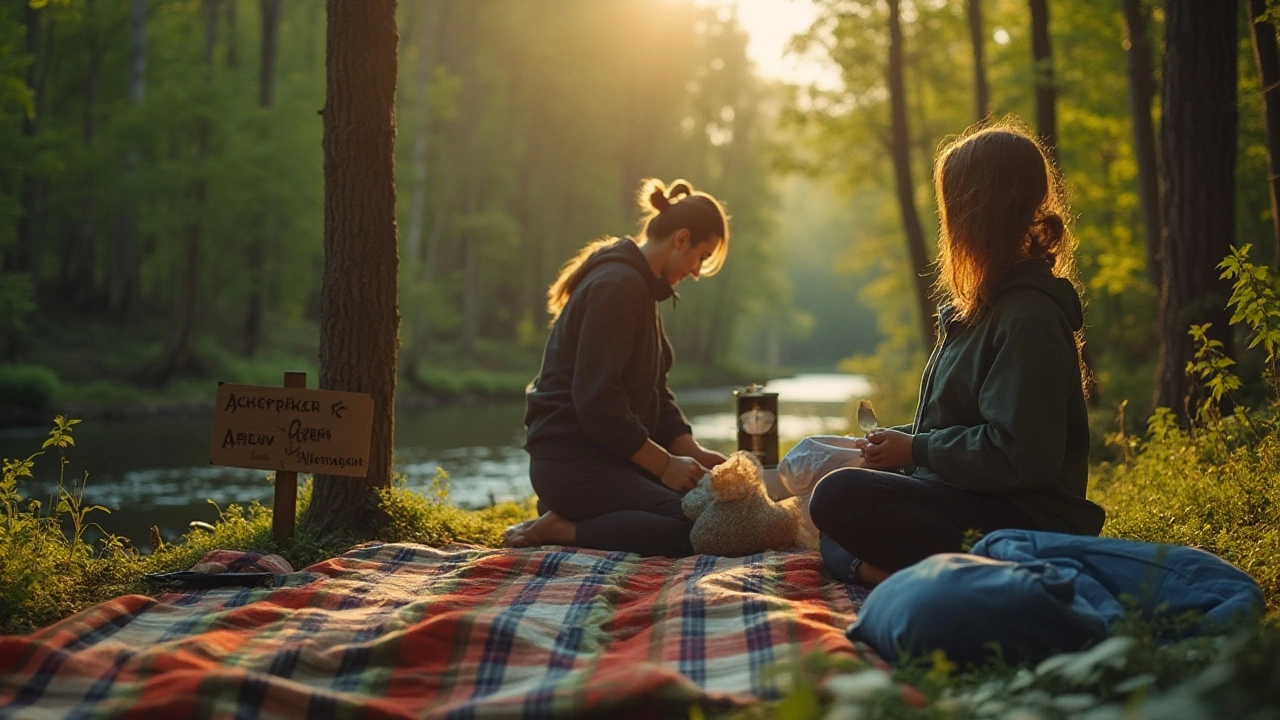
[{"x": 292, "y": 429}]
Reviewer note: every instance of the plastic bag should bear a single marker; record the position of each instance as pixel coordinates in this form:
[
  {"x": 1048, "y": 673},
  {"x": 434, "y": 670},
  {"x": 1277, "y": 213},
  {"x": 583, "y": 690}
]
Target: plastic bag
[{"x": 806, "y": 463}]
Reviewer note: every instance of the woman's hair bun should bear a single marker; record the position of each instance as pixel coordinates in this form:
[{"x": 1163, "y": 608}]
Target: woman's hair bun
[
  {"x": 678, "y": 189},
  {"x": 655, "y": 196}
]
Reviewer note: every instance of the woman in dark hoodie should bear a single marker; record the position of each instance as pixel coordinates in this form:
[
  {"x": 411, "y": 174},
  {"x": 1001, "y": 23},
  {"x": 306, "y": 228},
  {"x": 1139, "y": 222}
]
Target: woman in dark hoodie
[
  {"x": 610, "y": 451},
  {"x": 1001, "y": 435}
]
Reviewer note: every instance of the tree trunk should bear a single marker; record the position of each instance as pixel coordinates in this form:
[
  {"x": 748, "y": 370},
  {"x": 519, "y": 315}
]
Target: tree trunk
[
  {"x": 122, "y": 266},
  {"x": 920, "y": 267},
  {"x": 179, "y": 357},
  {"x": 79, "y": 282},
  {"x": 359, "y": 315},
  {"x": 1141, "y": 94},
  {"x": 1265, "y": 57},
  {"x": 257, "y": 253},
  {"x": 1198, "y": 147},
  {"x": 23, "y": 259},
  {"x": 424, "y": 265},
  {"x": 1046, "y": 92},
  {"x": 471, "y": 238},
  {"x": 233, "y": 36},
  {"x": 981, "y": 95}
]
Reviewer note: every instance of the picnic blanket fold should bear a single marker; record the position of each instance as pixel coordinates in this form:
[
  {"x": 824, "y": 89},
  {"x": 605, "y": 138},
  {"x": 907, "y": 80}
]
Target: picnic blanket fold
[{"x": 401, "y": 630}]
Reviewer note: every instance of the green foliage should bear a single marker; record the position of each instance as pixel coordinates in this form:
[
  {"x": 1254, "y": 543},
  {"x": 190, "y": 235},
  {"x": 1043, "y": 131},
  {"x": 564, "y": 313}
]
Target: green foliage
[
  {"x": 431, "y": 518},
  {"x": 17, "y": 302},
  {"x": 1255, "y": 299},
  {"x": 50, "y": 567},
  {"x": 32, "y": 387}
]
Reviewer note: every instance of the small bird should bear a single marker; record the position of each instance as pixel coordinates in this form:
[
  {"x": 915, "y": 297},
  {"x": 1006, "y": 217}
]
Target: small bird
[{"x": 867, "y": 417}]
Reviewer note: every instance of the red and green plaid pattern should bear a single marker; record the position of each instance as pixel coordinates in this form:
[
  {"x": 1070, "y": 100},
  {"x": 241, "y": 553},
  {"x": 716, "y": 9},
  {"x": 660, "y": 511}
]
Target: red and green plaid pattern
[{"x": 412, "y": 631}]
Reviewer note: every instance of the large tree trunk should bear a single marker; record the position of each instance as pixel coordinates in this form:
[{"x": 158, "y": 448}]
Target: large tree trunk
[
  {"x": 920, "y": 267},
  {"x": 257, "y": 255},
  {"x": 1198, "y": 146},
  {"x": 1265, "y": 57},
  {"x": 359, "y": 315},
  {"x": 1046, "y": 92},
  {"x": 122, "y": 266},
  {"x": 981, "y": 95},
  {"x": 1141, "y": 94}
]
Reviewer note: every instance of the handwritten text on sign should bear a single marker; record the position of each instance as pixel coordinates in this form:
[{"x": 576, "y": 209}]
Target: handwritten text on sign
[{"x": 292, "y": 429}]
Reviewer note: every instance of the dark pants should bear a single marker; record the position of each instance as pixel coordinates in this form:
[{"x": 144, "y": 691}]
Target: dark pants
[
  {"x": 615, "y": 505},
  {"x": 891, "y": 520}
]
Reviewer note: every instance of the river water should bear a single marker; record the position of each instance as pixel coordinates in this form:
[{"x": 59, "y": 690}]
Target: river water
[{"x": 157, "y": 472}]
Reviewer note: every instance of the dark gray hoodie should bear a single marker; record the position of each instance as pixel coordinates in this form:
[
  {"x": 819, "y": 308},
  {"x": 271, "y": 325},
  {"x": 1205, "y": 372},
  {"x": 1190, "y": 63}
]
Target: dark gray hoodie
[
  {"x": 1001, "y": 407},
  {"x": 602, "y": 387}
]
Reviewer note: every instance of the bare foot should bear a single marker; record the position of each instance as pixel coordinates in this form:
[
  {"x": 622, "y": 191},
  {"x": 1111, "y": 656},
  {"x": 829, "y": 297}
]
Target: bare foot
[
  {"x": 550, "y": 529},
  {"x": 517, "y": 529}
]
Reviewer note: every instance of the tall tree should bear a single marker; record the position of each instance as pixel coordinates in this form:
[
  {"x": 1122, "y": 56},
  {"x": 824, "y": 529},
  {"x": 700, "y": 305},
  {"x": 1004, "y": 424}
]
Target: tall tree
[
  {"x": 1198, "y": 147},
  {"x": 24, "y": 259},
  {"x": 1268, "y": 62},
  {"x": 359, "y": 315},
  {"x": 122, "y": 266},
  {"x": 1046, "y": 90},
  {"x": 981, "y": 95},
  {"x": 1141, "y": 95},
  {"x": 269, "y": 11},
  {"x": 901, "y": 150},
  {"x": 180, "y": 357}
]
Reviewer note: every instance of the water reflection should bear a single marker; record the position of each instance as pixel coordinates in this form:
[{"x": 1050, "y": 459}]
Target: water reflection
[{"x": 157, "y": 472}]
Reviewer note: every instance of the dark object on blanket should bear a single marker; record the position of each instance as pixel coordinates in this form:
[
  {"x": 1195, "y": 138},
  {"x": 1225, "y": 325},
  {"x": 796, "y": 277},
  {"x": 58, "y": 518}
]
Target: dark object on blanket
[
  {"x": 197, "y": 580},
  {"x": 1028, "y": 594}
]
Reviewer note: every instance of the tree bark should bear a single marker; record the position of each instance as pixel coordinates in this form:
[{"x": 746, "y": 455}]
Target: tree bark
[
  {"x": 1198, "y": 148},
  {"x": 1046, "y": 91},
  {"x": 1141, "y": 94},
  {"x": 906, "y": 188},
  {"x": 1265, "y": 57},
  {"x": 981, "y": 95},
  {"x": 359, "y": 315}
]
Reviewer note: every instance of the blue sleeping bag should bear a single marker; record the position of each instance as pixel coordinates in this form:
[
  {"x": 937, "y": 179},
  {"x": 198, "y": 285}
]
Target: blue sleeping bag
[{"x": 1026, "y": 595}]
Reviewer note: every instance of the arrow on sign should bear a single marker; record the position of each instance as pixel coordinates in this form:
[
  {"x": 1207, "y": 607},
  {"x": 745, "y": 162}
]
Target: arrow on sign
[{"x": 337, "y": 409}]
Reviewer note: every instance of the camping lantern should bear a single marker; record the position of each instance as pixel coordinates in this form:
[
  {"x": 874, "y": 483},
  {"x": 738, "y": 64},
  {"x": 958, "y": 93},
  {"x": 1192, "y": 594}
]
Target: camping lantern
[{"x": 758, "y": 423}]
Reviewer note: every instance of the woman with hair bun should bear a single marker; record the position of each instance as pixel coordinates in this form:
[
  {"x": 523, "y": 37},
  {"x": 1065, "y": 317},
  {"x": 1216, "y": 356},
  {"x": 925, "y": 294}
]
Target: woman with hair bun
[
  {"x": 611, "y": 454},
  {"x": 1001, "y": 433}
]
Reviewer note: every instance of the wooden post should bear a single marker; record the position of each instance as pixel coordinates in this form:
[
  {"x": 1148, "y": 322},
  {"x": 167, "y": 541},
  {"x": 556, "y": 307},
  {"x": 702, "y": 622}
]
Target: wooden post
[{"x": 284, "y": 511}]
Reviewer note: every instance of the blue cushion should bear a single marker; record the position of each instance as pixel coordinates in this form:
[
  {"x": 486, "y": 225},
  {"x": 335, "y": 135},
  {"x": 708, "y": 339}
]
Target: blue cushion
[
  {"x": 971, "y": 607},
  {"x": 1027, "y": 594}
]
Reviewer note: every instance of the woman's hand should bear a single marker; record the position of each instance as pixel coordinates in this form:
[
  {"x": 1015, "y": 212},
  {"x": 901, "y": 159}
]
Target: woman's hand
[
  {"x": 708, "y": 458},
  {"x": 682, "y": 473},
  {"x": 887, "y": 450},
  {"x": 687, "y": 446}
]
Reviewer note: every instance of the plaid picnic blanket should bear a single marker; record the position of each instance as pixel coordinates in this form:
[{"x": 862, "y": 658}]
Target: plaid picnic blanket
[{"x": 400, "y": 630}]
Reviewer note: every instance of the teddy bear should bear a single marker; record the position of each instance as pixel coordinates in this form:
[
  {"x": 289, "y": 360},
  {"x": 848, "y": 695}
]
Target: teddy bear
[{"x": 733, "y": 515}]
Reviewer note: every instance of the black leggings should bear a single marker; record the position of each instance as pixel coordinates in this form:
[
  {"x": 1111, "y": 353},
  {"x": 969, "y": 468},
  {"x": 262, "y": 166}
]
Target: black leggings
[
  {"x": 615, "y": 505},
  {"x": 892, "y": 520}
]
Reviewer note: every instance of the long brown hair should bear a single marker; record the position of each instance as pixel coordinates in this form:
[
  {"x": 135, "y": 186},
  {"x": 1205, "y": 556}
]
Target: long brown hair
[
  {"x": 1000, "y": 201},
  {"x": 665, "y": 210}
]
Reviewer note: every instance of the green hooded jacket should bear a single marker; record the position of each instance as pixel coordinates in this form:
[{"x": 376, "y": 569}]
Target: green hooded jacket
[{"x": 1001, "y": 406}]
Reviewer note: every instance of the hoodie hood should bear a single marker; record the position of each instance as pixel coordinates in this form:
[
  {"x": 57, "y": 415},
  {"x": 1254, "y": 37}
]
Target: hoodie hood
[
  {"x": 627, "y": 252},
  {"x": 1038, "y": 275}
]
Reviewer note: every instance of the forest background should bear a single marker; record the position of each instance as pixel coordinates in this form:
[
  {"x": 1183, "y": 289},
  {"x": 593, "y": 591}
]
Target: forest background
[{"x": 161, "y": 187}]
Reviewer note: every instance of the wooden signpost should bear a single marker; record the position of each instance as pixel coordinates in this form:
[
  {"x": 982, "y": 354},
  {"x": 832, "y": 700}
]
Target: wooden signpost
[{"x": 290, "y": 430}]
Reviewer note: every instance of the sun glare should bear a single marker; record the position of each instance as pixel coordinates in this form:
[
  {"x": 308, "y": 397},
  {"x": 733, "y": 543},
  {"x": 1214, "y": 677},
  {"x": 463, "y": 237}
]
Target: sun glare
[{"x": 770, "y": 25}]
